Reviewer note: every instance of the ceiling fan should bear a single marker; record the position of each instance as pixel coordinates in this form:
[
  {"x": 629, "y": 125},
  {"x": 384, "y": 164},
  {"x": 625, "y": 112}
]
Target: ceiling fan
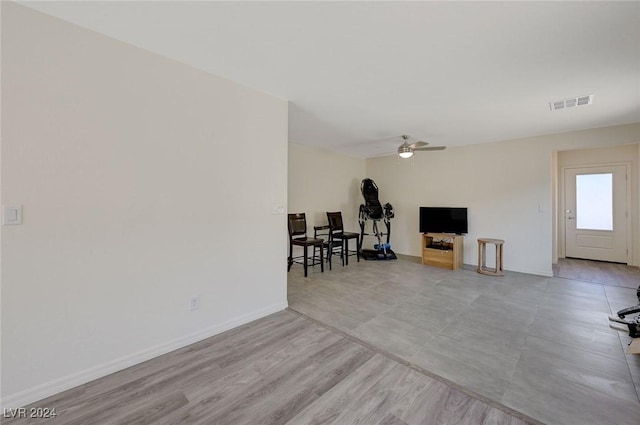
[{"x": 407, "y": 149}]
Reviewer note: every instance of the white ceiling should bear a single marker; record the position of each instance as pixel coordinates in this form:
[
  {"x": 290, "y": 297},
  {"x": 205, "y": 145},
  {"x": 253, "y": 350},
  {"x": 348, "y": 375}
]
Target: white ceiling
[{"x": 358, "y": 73}]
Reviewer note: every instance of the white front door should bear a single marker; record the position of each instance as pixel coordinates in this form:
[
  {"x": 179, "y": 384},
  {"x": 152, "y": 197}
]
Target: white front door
[{"x": 596, "y": 213}]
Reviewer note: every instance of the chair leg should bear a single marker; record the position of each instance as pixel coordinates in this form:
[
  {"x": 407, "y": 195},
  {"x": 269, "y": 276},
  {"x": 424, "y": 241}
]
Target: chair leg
[
  {"x": 345, "y": 248},
  {"x": 305, "y": 261},
  {"x": 358, "y": 249},
  {"x": 321, "y": 258},
  {"x": 290, "y": 259}
]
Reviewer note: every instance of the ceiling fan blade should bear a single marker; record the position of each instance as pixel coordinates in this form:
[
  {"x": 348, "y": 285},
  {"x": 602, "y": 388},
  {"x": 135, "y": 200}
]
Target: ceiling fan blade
[
  {"x": 431, "y": 148},
  {"x": 418, "y": 145}
]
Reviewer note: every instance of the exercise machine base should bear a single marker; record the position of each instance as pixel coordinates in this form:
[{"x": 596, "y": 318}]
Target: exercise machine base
[
  {"x": 373, "y": 254},
  {"x": 632, "y": 324}
]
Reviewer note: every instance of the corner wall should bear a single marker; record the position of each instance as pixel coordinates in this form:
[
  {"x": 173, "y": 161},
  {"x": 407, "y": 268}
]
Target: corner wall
[
  {"x": 321, "y": 181},
  {"x": 134, "y": 200},
  {"x": 507, "y": 187}
]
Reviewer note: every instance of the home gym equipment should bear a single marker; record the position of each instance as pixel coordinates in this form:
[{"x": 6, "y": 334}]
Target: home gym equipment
[
  {"x": 632, "y": 323},
  {"x": 373, "y": 211}
]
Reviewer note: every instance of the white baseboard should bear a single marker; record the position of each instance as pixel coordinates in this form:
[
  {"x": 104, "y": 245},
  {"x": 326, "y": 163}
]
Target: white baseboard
[
  {"x": 56, "y": 386},
  {"x": 545, "y": 273}
]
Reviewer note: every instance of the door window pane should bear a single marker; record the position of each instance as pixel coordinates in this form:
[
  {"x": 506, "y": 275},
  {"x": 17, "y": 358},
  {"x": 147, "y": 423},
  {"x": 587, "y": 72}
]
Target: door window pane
[{"x": 594, "y": 201}]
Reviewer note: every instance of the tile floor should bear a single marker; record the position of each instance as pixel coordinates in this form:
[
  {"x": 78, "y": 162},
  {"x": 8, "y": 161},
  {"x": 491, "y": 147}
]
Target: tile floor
[{"x": 542, "y": 346}]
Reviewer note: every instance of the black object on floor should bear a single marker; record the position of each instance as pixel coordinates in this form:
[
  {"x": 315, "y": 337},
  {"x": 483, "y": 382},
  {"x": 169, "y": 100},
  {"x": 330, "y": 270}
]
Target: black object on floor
[
  {"x": 374, "y": 211},
  {"x": 373, "y": 254},
  {"x": 634, "y": 323}
]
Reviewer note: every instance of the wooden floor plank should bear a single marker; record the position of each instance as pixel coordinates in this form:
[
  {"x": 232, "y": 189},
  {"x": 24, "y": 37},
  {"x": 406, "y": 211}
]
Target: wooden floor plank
[
  {"x": 345, "y": 397},
  {"x": 222, "y": 391},
  {"x": 149, "y": 415}
]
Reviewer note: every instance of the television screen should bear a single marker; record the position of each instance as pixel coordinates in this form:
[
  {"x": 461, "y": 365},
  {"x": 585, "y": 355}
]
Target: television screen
[{"x": 443, "y": 220}]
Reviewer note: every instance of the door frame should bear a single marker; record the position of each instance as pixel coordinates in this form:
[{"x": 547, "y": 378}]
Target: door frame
[{"x": 562, "y": 243}]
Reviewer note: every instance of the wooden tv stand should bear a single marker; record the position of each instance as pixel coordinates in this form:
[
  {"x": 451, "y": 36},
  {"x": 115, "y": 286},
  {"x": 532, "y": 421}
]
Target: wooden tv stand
[{"x": 443, "y": 250}]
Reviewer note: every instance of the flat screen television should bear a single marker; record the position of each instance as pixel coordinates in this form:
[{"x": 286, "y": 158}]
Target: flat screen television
[{"x": 443, "y": 220}]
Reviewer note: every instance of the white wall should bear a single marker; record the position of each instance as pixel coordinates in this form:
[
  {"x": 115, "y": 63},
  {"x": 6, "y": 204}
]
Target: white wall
[
  {"x": 507, "y": 187},
  {"x": 134, "y": 200},
  {"x": 627, "y": 154},
  {"x": 321, "y": 181}
]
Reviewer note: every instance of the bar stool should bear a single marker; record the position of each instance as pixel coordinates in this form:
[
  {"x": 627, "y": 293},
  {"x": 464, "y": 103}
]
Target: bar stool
[
  {"x": 298, "y": 236},
  {"x": 482, "y": 257},
  {"x": 337, "y": 233}
]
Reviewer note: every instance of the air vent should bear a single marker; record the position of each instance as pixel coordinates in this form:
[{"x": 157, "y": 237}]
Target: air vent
[{"x": 571, "y": 102}]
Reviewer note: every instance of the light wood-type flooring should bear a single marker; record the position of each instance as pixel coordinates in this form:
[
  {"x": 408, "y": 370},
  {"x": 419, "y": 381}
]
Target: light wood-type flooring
[
  {"x": 598, "y": 272},
  {"x": 282, "y": 369},
  {"x": 538, "y": 345}
]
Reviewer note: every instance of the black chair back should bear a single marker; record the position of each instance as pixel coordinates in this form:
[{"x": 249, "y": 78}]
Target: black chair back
[
  {"x": 335, "y": 221},
  {"x": 297, "y": 225}
]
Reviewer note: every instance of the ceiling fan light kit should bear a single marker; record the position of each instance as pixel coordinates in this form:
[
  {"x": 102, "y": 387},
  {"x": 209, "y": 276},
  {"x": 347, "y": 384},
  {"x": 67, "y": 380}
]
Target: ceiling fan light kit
[{"x": 406, "y": 150}]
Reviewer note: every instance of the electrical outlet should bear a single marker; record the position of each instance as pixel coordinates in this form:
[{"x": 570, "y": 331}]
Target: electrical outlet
[{"x": 195, "y": 302}]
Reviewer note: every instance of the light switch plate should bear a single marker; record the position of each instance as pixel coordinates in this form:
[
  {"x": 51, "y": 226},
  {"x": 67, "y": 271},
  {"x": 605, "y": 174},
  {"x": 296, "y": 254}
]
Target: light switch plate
[
  {"x": 11, "y": 215},
  {"x": 279, "y": 209}
]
